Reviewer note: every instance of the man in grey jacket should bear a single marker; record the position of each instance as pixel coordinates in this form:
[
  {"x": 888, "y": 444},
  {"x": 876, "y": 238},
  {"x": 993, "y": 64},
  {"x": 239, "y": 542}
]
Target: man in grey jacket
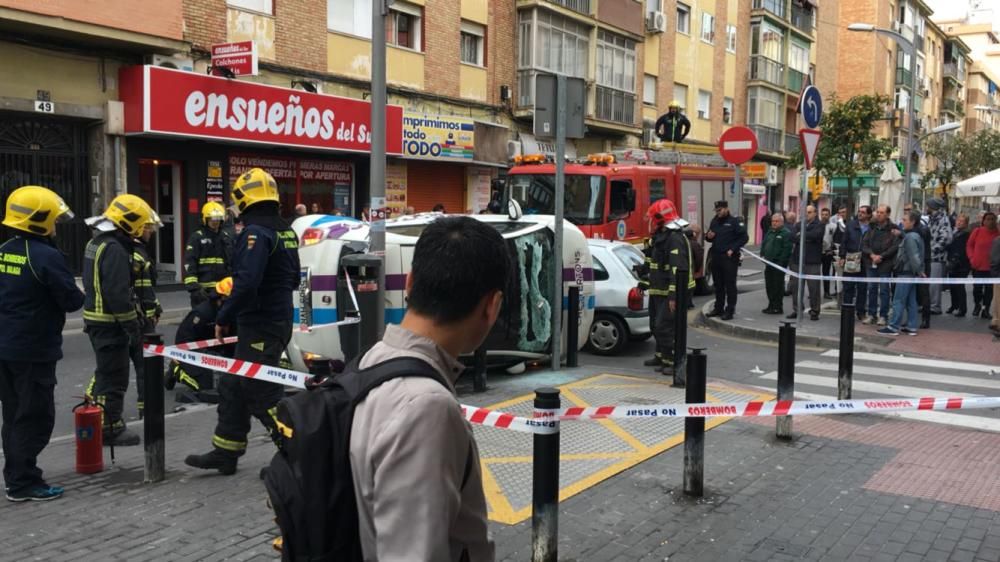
[
  {"x": 909, "y": 264},
  {"x": 414, "y": 459}
]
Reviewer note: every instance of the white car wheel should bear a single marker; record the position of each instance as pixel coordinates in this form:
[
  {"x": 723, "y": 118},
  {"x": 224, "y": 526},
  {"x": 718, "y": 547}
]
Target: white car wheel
[{"x": 608, "y": 334}]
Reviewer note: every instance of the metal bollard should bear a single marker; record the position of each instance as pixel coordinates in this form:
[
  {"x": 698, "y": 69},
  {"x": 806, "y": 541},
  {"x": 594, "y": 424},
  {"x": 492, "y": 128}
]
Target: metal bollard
[
  {"x": 681, "y": 334},
  {"x": 153, "y": 422},
  {"x": 845, "y": 370},
  {"x": 479, "y": 370},
  {"x": 694, "y": 428},
  {"x": 573, "y": 328},
  {"x": 786, "y": 376},
  {"x": 545, "y": 485}
]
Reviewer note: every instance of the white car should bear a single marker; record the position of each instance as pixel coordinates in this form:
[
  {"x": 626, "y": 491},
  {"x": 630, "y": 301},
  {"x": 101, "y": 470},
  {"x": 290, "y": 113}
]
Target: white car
[{"x": 615, "y": 323}]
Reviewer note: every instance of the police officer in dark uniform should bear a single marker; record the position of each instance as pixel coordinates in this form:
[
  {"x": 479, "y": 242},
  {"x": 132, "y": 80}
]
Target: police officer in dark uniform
[
  {"x": 728, "y": 237},
  {"x": 265, "y": 272},
  {"x": 111, "y": 308},
  {"x": 656, "y": 280},
  {"x": 207, "y": 254},
  {"x": 36, "y": 292},
  {"x": 197, "y": 383}
]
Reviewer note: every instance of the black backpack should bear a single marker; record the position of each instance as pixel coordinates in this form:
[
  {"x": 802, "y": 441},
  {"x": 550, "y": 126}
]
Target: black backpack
[{"x": 309, "y": 480}]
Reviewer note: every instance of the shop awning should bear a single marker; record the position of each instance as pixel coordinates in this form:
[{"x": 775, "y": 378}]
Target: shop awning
[{"x": 983, "y": 185}]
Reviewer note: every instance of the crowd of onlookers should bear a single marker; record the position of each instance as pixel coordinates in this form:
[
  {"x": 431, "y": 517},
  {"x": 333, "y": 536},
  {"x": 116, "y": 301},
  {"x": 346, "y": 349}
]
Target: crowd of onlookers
[{"x": 886, "y": 254}]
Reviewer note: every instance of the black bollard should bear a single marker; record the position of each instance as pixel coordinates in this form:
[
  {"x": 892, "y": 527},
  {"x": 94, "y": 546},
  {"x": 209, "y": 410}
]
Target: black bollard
[
  {"x": 153, "y": 422},
  {"x": 694, "y": 428},
  {"x": 845, "y": 370},
  {"x": 479, "y": 370},
  {"x": 786, "y": 376},
  {"x": 545, "y": 484},
  {"x": 573, "y": 328},
  {"x": 680, "y": 333}
]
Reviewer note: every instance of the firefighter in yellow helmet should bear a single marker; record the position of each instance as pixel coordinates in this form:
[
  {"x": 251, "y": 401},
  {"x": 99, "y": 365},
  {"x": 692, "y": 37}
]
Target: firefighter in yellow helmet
[
  {"x": 207, "y": 254},
  {"x": 673, "y": 126},
  {"x": 36, "y": 291},
  {"x": 265, "y": 272},
  {"x": 197, "y": 383},
  {"x": 111, "y": 308}
]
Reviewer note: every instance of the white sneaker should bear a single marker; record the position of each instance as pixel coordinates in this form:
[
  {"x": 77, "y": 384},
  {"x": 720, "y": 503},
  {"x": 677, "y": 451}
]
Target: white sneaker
[
  {"x": 868, "y": 321},
  {"x": 882, "y": 322}
]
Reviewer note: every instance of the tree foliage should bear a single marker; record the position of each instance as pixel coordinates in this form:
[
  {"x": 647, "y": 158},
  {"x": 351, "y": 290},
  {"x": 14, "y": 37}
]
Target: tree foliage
[{"x": 959, "y": 157}]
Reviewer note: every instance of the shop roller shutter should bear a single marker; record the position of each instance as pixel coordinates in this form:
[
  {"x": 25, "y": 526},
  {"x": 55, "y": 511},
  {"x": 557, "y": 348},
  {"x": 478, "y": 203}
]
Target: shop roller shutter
[{"x": 430, "y": 183}]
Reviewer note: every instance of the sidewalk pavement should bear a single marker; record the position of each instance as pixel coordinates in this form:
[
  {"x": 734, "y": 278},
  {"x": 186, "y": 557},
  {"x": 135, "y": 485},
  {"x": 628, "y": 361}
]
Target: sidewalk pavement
[
  {"x": 846, "y": 488},
  {"x": 964, "y": 339}
]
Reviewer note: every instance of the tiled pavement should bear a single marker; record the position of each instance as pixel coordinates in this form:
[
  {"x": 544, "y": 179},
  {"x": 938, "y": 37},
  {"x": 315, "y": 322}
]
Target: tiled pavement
[{"x": 850, "y": 488}]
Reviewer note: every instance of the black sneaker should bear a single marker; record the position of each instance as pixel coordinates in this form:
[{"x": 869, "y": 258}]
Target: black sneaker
[
  {"x": 652, "y": 362},
  {"x": 907, "y": 331},
  {"x": 42, "y": 493},
  {"x": 726, "y": 316},
  {"x": 714, "y": 313},
  {"x": 215, "y": 460},
  {"x": 976, "y": 310},
  {"x": 814, "y": 316}
]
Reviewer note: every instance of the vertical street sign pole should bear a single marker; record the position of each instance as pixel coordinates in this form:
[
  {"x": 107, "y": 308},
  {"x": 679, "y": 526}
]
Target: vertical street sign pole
[
  {"x": 377, "y": 179},
  {"x": 800, "y": 286},
  {"x": 739, "y": 189},
  {"x": 557, "y": 242}
]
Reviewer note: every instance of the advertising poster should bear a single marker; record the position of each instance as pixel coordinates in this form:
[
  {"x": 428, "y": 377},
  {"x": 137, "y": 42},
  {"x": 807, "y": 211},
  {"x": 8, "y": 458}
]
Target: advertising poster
[
  {"x": 395, "y": 189},
  {"x": 437, "y": 137}
]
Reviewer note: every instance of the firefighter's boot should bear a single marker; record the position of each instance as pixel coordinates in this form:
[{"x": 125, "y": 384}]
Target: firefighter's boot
[{"x": 214, "y": 460}]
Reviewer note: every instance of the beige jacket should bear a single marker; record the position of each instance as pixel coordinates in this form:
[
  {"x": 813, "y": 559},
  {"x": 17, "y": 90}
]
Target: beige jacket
[{"x": 410, "y": 446}]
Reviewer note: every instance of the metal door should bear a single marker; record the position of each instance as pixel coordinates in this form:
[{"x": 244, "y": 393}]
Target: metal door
[
  {"x": 49, "y": 152},
  {"x": 160, "y": 186}
]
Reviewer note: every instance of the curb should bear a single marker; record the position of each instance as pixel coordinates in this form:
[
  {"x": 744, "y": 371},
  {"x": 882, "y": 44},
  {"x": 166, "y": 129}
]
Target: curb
[
  {"x": 171, "y": 316},
  {"x": 860, "y": 343}
]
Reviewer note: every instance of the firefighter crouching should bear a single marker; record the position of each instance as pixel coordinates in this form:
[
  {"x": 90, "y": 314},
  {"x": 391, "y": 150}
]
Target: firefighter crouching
[
  {"x": 207, "y": 254},
  {"x": 197, "y": 383},
  {"x": 36, "y": 291},
  {"x": 110, "y": 310},
  {"x": 657, "y": 283},
  {"x": 265, "y": 272}
]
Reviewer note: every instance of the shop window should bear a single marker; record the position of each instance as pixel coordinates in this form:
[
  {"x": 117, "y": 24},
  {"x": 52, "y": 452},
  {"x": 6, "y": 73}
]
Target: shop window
[
  {"x": 262, "y": 6},
  {"x": 402, "y": 27}
]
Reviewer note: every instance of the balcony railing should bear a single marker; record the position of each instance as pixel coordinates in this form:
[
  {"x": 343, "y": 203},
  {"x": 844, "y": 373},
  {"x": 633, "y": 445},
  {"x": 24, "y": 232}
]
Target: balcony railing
[
  {"x": 776, "y": 7},
  {"x": 952, "y": 105},
  {"x": 763, "y": 68},
  {"x": 526, "y": 88},
  {"x": 918, "y": 42},
  {"x": 769, "y": 140},
  {"x": 952, "y": 70},
  {"x": 615, "y": 105},
  {"x": 802, "y": 18},
  {"x": 792, "y": 143},
  {"x": 904, "y": 77},
  {"x": 582, "y": 6},
  {"x": 795, "y": 80}
]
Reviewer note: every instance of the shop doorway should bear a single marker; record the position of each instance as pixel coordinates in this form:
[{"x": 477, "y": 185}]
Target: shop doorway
[{"x": 160, "y": 186}]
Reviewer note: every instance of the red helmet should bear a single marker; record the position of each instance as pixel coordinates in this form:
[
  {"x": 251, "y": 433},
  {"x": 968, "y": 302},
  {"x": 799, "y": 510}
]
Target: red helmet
[{"x": 662, "y": 211}]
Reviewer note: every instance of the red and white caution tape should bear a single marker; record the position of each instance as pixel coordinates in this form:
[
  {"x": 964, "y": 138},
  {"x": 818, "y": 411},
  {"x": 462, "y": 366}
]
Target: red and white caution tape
[
  {"x": 237, "y": 367},
  {"x": 503, "y": 420},
  {"x": 205, "y": 344}
]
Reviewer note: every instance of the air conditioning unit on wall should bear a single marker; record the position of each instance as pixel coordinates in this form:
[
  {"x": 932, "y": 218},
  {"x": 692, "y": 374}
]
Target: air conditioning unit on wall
[
  {"x": 513, "y": 149},
  {"x": 178, "y": 62},
  {"x": 656, "y": 22}
]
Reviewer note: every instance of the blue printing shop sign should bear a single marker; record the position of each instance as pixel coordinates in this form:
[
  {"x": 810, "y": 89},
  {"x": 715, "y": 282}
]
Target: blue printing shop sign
[{"x": 438, "y": 137}]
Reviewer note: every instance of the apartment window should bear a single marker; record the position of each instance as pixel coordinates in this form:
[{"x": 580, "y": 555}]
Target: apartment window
[
  {"x": 681, "y": 95},
  {"x": 902, "y": 97},
  {"x": 649, "y": 89},
  {"x": 727, "y": 111},
  {"x": 767, "y": 40},
  {"x": 707, "y": 27},
  {"x": 704, "y": 104},
  {"x": 549, "y": 42},
  {"x": 616, "y": 67},
  {"x": 764, "y": 107},
  {"x": 402, "y": 26},
  {"x": 472, "y": 43},
  {"x": 350, "y": 16},
  {"x": 262, "y": 6},
  {"x": 683, "y": 19},
  {"x": 731, "y": 38}
]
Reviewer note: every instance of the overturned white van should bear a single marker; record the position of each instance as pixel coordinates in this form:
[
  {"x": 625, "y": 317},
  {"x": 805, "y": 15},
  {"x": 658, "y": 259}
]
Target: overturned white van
[{"x": 523, "y": 330}]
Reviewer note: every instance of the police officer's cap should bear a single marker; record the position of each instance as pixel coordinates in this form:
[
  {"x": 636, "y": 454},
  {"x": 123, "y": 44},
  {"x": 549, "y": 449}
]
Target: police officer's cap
[{"x": 721, "y": 205}]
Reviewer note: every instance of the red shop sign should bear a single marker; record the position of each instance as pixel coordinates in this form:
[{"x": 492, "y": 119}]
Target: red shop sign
[{"x": 172, "y": 102}]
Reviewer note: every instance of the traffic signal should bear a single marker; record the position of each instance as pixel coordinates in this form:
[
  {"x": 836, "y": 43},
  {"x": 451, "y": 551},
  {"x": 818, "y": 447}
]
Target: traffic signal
[{"x": 897, "y": 119}]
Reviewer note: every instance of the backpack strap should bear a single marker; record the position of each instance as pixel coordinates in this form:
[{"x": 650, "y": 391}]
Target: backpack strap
[{"x": 376, "y": 375}]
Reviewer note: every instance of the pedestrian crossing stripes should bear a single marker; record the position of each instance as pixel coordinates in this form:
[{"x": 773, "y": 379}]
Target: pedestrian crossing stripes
[{"x": 893, "y": 376}]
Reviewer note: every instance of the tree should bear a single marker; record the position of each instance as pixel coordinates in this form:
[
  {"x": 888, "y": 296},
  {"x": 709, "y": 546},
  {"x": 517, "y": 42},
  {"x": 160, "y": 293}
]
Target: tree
[
  {"x": 849, "y": 146},
  {"x": 960, "y": 157},
  {"x": 983, "y": 153}
]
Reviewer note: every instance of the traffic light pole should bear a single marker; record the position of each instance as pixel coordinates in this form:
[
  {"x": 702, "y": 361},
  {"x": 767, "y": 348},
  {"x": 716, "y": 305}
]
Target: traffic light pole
[{"x": 376, "y": 211}]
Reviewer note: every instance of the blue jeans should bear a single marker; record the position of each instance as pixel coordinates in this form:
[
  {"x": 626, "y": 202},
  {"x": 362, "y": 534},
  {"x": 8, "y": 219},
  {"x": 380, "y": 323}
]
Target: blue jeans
[
  {"x": 905, "y": 296},
  {"x": 878, "y": 292}
]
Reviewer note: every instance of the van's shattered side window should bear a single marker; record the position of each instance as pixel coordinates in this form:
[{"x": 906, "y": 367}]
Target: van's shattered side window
[{"x": 534, "y": 283}]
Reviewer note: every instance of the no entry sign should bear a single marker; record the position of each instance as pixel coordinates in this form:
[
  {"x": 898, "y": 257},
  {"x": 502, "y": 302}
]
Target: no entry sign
[{"x": 738, "y": 145}]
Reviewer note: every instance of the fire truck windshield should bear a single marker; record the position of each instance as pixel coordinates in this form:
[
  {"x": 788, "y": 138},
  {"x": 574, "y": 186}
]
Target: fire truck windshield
[{"x": 584, "y": 199}]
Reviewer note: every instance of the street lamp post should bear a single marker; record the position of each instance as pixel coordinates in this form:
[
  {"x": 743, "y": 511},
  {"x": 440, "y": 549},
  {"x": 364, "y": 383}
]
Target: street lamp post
[{"x": 908, "y": 48}]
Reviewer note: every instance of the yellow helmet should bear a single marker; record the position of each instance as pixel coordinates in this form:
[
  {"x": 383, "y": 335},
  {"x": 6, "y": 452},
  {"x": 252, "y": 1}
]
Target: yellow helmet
[
  {"x": 36, "y": 210},
  {"x": 131, "y": 214},
  {"x": 212, "y": 211},
  {"x": 224, "y": 287},
  {"x": 675, "y": 103},
  {"x": 254, "y": 186}
]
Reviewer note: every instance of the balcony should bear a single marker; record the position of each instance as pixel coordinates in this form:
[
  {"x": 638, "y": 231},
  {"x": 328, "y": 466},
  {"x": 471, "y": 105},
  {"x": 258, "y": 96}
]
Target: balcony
[
  {"x": 770, "y": 140},
  {"x": 615, "y": 105},
  {"x": 776, "y": 7},
  {"x": 763, "y": 68},
  {"x": 582, "y": 6},
  {"x": 953, "y": 71},
  {"x": 953, "y": 106},
  {"x": 795, "y": 80},
  {"x": 918, "y": 43},
  {"x": 802, "y": 18},
  {"x": 792, "y": 143},
  {"x": 904, "y": 77}
]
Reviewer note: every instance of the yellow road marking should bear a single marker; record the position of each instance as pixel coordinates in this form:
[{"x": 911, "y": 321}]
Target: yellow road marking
[{"x": 500, "y": 508}]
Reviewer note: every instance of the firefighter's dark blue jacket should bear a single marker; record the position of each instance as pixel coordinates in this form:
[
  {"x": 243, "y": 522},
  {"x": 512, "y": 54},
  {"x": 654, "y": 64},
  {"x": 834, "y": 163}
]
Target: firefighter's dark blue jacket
[
  {"x": 36, "y": 291},
  {"x": 265, "y": 270}
]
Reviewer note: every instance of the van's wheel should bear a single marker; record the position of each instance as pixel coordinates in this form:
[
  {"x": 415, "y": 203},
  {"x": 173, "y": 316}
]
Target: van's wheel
[{"x": 608, "y": 334}]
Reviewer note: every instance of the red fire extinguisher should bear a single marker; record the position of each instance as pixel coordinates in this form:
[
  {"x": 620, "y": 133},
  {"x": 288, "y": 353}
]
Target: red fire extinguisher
[{"x": 88, "y": 418}]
